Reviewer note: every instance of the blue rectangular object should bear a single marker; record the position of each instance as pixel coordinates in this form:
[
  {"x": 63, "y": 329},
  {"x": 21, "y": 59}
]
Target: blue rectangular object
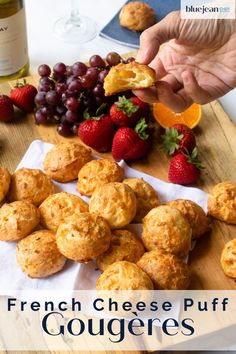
[{"x": 115, "y": 32}]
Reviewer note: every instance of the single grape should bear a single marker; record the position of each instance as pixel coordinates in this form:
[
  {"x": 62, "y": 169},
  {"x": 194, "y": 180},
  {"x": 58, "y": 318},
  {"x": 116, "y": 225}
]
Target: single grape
[
  {"x": 75, "y": 85},
  {"x": 113, "y": 58},
  {"x": 93, "y": 73},
  {"x": 87, "y": 81},
  {"x": 45, "y": 84},
  {"x": 44, "y": 87},
  {"x": 40, "y": 98},
  {"x": 99, "y": 100},
  {"x": 52, "y": 98},
  {"x": 72, "y": 104},
  {"x": 59, "y": 69},
  {"x": 45, "y": 80},
  {"x": 60, "y": 88},
  {"x": 60, "y": 110},
  {"x": 64, "y": 129},
  {"x": 70, "y": 79},
  {"x": 97, "y": 61},
  {"x": 102, "y": 75},
  {"x": 98, "y": 90},
  {"x": 74, "y": 129},
  {"x": 40, "y": 118},
  {"x": 44, "y": 70},
  {"x": 88, "y": 102},
  {"x": 49, "y": 111},
  {"x": 64, "y": 97},
  {"x": 69, "y": 71},
  {"x": 79, "y": 69},
  {"x": 71, "y": 117},
  {"x": 129, "y": 60}
]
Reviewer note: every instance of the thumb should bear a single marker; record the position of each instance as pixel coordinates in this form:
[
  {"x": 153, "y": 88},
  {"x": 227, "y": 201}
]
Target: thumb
[{"x": 153, "y": 37}]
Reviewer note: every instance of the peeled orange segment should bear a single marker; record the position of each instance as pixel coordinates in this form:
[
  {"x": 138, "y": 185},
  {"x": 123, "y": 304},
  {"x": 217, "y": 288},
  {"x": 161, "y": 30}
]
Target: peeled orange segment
[{"x": 167, "y": 118}]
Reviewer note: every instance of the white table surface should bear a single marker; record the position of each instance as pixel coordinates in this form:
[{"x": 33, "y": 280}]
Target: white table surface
[{"x": 45, "y": 47}]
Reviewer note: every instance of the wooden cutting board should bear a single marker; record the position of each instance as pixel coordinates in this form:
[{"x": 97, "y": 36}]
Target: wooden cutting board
[{"x": 216, "y": 138}]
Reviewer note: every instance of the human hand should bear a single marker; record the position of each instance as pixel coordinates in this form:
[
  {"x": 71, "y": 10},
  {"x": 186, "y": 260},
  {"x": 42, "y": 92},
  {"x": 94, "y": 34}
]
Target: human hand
[{"x": 198, "y": 64}]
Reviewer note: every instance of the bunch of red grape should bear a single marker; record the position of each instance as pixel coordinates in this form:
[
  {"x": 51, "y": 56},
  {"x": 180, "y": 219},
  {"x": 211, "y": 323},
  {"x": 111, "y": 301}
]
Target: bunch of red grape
[{"x": 66, "y": 93}]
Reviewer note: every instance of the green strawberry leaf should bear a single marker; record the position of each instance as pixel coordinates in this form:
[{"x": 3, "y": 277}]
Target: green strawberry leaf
[
  {"x": 126, "y": 106},
  {"x": 193, "y": 158},
  {"x": 141, "y": 129},
  {"x": 171, "y": 140}
]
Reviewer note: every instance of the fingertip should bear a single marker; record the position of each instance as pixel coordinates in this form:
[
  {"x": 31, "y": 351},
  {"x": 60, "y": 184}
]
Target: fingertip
[{"x": 148, "y": 95}]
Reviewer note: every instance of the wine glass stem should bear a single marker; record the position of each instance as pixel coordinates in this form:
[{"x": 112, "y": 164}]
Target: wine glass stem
[{"x": 75, "y": 15}]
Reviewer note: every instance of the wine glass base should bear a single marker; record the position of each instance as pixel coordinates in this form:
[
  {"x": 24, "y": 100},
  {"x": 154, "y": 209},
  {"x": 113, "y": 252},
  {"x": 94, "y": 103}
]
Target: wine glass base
[{"x": 78, "y": 31}]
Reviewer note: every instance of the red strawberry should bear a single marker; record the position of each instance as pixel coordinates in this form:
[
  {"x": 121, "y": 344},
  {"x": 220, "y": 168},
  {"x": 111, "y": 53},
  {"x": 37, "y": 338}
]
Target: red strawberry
[
  {"x": 97, "y": 132},
  {"x": 130, "y": 144},
  {"x": 143, "y": 106},
  {"x": 178, "y": 138},
  {"x": 185, "y": 168},
  {"x": 6, "y": 108},
  {"x": 126, "y": 112},
  {"x": 23, "y": 96}
]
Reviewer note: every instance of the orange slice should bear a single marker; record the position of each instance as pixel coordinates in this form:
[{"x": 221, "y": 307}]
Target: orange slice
[{"x": 167, "y": 118}]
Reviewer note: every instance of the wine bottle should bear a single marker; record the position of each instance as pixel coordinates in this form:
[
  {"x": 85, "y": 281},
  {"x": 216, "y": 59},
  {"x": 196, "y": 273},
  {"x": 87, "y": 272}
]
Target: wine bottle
[{"x": 14, "y": 59}]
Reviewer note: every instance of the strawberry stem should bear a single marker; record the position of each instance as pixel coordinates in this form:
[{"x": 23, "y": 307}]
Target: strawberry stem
[
  {"x": 126, "y": 106},
  {"x": 171, "y": 140},
  {"x": 141, "y": 129}
]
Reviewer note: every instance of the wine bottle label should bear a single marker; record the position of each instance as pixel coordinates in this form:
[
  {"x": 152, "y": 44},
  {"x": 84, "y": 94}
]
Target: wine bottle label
[{"x": 13, "y": 43}]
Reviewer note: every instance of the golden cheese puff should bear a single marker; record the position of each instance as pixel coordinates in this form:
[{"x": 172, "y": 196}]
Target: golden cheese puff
[
  {"x": 166, "y": 271},
  {"x": 38, "y": 255},
  {"x": 5, "y": 179},
  {"x": 195, "y": 215},
  {"x": 131, "y": 76},
  {"x": 29, "y": 184},
  {"x": 97, "y": 173},
  {"x": 124, "y": 275},
  {"x": 83, "y": 237},
  {"x": 63, "y": 162},
  {"x": 167, "y": 228},
  {"x": 222, "y": 202},
  {"x": 147, "y": 198},
  {"x": 137, "y": 16},
  {"x": 116, "y": 202},
  {"x": 125, "y": 246},
  {"x": 228, "y": 259},
  {"x": 56, "y": 209},
  {"x": 17, "y": 220}
]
